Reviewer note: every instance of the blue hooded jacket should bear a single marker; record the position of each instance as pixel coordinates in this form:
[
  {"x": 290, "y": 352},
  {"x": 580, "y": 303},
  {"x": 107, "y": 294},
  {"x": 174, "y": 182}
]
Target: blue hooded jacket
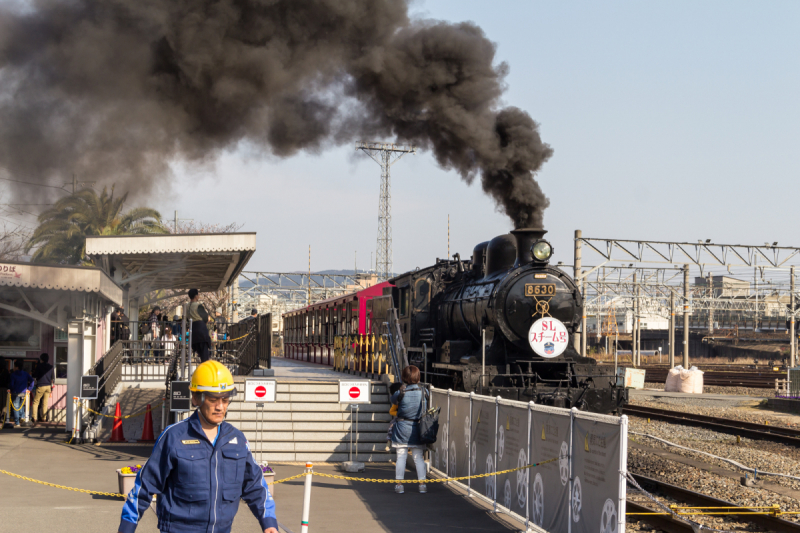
[
  {"x": 20, "y": 381},
  {"x": 405, "y": 431},
  {"x": 199, "y": 482}
]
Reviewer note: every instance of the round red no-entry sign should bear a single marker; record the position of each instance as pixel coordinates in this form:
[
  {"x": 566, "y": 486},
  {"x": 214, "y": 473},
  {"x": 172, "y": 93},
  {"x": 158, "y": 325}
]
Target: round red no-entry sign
[
  {"x": 355, "y": 392},
  {"x": 261, "y": 391}
]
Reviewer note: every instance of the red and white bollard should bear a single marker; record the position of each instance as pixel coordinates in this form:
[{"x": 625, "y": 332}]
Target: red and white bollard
[{"x": 306, "y": 498}]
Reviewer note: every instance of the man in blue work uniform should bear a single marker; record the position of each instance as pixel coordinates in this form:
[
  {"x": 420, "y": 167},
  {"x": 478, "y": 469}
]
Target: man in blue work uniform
[{"x": 201, "y": 468}]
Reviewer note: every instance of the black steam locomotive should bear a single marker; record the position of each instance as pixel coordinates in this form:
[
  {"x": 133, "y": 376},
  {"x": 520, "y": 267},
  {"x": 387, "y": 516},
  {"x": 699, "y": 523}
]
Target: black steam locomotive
[{"x": 473, "y": 325}]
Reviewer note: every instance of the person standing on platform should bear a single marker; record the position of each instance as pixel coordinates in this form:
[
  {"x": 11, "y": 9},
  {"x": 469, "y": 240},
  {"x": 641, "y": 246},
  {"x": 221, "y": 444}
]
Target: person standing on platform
[
  {"x": 411, "y": 403},
  {"x": 45, "y": 380},
  {"x": 201, "y": 468},
  {"x": 220, "y": 324},
  {"x": 5, "y": 377},
  {"x": 20, "y": 382},
  {"x": 201, "y": 340}
]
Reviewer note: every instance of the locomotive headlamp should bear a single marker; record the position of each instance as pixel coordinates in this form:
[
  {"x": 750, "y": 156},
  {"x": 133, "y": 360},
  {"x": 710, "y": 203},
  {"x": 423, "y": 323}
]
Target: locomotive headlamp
[{"x": 542, "y": 251}]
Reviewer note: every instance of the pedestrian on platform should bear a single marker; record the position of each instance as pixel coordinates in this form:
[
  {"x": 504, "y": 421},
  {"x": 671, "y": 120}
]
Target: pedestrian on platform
[
  {"x": 170, "y": 342},
  {"x": 115, "y": 326},
  {"x": 19, "y": 383},
  {"x": 411, "y": 402},
  {"x": 201, "y": 468},
  {"x": 5, "y": 377},
  {"x": 201, "y": 340},
  {"x": 45, "y": 380},
  {"x": 220, "y": 324}
]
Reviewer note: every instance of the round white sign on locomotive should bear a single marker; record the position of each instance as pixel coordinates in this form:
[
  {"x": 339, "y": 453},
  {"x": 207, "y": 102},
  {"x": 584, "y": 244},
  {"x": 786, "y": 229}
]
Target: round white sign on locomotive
[{"x": 548, "y": 337}]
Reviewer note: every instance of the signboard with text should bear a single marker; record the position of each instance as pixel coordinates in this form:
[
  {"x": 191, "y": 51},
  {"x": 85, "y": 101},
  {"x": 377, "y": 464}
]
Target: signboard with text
[
  {"x": 548, "y": 337},
  {"x": 260, "y": 390},
  {"x": 180, "y": 399},
  {"x": 354, "y": 392},
  {"x": 14, "y": 274},
  {"x": 89, "y": 387}
]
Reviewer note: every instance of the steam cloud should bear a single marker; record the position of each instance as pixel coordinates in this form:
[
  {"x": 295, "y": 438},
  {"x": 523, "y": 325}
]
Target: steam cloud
[{"x": 114, "y": 90}]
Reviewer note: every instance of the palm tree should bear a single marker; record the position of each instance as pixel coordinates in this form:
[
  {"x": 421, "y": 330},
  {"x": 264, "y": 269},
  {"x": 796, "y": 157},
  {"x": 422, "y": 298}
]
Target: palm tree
[{"x": 61, "y": 235}]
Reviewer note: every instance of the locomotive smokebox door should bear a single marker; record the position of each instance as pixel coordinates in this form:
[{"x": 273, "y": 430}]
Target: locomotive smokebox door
[{"x": 453, "y": 351}]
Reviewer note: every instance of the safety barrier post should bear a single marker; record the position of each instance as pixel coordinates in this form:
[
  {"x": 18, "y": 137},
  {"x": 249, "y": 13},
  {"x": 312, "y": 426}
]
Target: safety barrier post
[
  {"x": 8, "y": 409},
  {"x": 188, "y": 355},
  {"x": 571, "y": 470},
  {"x": 469, "y": 446},
  {"x": 27, "y": 415},
  {"x": 306, "y": 498},
  {"x": 76, "y": 423},
  {"x": 528, "y": 473},
  {"x": 449, "y": 436},
  {"x": 494, "y": 483},
  {"x": 623, "y": 472}
]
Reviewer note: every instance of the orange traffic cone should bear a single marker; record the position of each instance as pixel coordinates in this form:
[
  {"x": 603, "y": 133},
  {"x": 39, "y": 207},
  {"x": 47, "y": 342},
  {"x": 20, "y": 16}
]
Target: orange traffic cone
[
  {"x": 116, "y": 432},
  {"x": 147, "y": 431}
]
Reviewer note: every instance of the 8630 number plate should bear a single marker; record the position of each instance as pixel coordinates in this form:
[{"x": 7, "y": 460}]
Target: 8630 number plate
[{"x": 540, "y": 289}]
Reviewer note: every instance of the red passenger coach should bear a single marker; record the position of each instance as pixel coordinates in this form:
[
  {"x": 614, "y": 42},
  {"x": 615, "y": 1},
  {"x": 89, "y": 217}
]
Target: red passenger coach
[{"x": 310, "y": 333}]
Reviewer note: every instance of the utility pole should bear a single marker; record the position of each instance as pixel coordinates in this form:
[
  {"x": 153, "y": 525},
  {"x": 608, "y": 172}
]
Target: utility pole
[
  {"x": 685, "y": 316},
  {"x": 583, "y": 320},
  {"x": 385, "y": 154},
  {"x": 793, "y": 341},
  {"x": 175, "y": 221},
  {"x": 711, "y": 307},
  {"x": 308, "y": 294},
  {"x": 75, "y": 183},
  {"x": 448, "y": 237},
  {"x": 635, "y": 336},
  {"x": 576, "y": 274},
  {"x": 672, "y": 329}
]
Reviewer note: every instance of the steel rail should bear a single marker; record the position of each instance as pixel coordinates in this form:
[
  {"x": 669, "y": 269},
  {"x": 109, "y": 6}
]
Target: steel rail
[
  {"x": 751, "y": 430},
  {"x": 771, "y": 523}
]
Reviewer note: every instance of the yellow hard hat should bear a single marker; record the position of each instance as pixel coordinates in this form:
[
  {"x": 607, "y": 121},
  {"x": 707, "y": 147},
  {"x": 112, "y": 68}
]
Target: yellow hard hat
[{"x": 212, "y": 376}]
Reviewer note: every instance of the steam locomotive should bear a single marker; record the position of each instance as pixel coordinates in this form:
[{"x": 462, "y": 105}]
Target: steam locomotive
[{"x": 502, "y": 324}]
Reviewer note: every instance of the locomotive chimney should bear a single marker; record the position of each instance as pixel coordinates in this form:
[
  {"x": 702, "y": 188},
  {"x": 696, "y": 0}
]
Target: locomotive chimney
[{"x": 526, "y": 237}]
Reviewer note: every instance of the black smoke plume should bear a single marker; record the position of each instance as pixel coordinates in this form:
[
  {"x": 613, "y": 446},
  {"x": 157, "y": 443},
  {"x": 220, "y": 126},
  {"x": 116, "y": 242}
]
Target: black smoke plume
[{"x": 114, "y": 90}]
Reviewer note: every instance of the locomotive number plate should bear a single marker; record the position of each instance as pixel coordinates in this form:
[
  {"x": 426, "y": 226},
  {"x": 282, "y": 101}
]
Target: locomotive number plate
[{"x": 540, "y": 289}]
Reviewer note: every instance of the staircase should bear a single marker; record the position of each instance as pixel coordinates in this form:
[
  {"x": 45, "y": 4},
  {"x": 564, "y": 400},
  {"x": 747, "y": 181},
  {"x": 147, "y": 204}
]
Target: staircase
[{"x": 307, "y": 423}]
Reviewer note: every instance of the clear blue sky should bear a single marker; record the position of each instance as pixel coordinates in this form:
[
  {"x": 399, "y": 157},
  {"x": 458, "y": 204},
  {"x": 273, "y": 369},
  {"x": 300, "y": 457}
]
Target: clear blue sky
[{"x": 673, "y": 120}]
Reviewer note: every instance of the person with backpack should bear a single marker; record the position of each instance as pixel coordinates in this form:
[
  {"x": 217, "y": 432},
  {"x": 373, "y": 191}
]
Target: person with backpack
[
  {"x": 201, "y": 340},
  {"x": 412, "y": 405}
]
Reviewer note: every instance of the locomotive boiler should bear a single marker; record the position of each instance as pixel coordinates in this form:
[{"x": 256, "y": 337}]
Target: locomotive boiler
[{"x": 502, "y": 323}]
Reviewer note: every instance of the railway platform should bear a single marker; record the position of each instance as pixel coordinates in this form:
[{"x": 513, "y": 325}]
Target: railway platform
[
  {"x": 336, "y": 505},
  {"x": 652, "y": 393}
]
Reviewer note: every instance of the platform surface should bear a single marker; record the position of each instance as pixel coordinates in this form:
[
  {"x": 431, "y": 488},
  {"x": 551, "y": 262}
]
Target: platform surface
[
  {"x": 291, "y": 370},
  {"x": 337, "y": 505}
]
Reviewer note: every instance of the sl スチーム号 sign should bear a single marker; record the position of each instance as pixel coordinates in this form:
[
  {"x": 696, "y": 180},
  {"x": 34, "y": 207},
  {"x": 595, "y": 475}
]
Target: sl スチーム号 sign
[{"x": 548, "y": 337}]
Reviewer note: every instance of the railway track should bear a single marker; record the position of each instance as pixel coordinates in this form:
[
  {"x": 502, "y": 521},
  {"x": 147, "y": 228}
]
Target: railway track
[
  {"x": 697, "y": 499},
  {"x": 750, "y": 430}
]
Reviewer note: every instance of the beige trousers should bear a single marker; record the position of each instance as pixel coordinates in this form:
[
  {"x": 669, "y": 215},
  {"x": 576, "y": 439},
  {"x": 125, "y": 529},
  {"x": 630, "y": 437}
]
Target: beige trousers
[{"x": 42, "y": 395}]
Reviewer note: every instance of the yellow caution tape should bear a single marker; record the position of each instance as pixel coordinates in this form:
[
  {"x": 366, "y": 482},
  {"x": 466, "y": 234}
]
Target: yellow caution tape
[
  {"x": 134, "y": 415},
  {"x": 236, "y": 339}
]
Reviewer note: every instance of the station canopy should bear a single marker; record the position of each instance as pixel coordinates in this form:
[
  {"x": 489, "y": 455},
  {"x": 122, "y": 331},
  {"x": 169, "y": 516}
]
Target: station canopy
[
  {"x": 47, "y": 292},
  {"x": 142, "y": 264}
]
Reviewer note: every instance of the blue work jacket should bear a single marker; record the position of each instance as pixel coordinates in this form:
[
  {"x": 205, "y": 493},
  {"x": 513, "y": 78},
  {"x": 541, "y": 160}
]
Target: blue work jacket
[{"x": 199, "y": 482}]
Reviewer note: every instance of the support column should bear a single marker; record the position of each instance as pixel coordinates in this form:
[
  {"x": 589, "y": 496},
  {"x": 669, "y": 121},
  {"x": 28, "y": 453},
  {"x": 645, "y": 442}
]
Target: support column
[
  {"x": 133, "y": 315},
  {"x": 584, "y": 333},
  {"x": 685, "y": 316},
  {"x": 635, "y": 333},
  {"x": 672, "y": 329},
  {"x": 576, "y": 274},
  {"x": 711, "y": 304},
  {"x": 78, "y": 362},
  {"x": 793, "y": 338}
]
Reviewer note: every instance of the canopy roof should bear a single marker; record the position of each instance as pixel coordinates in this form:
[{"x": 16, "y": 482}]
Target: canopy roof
[
  {"x": 45, "y": 292},
  {"x": 146, "y": 263}
]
